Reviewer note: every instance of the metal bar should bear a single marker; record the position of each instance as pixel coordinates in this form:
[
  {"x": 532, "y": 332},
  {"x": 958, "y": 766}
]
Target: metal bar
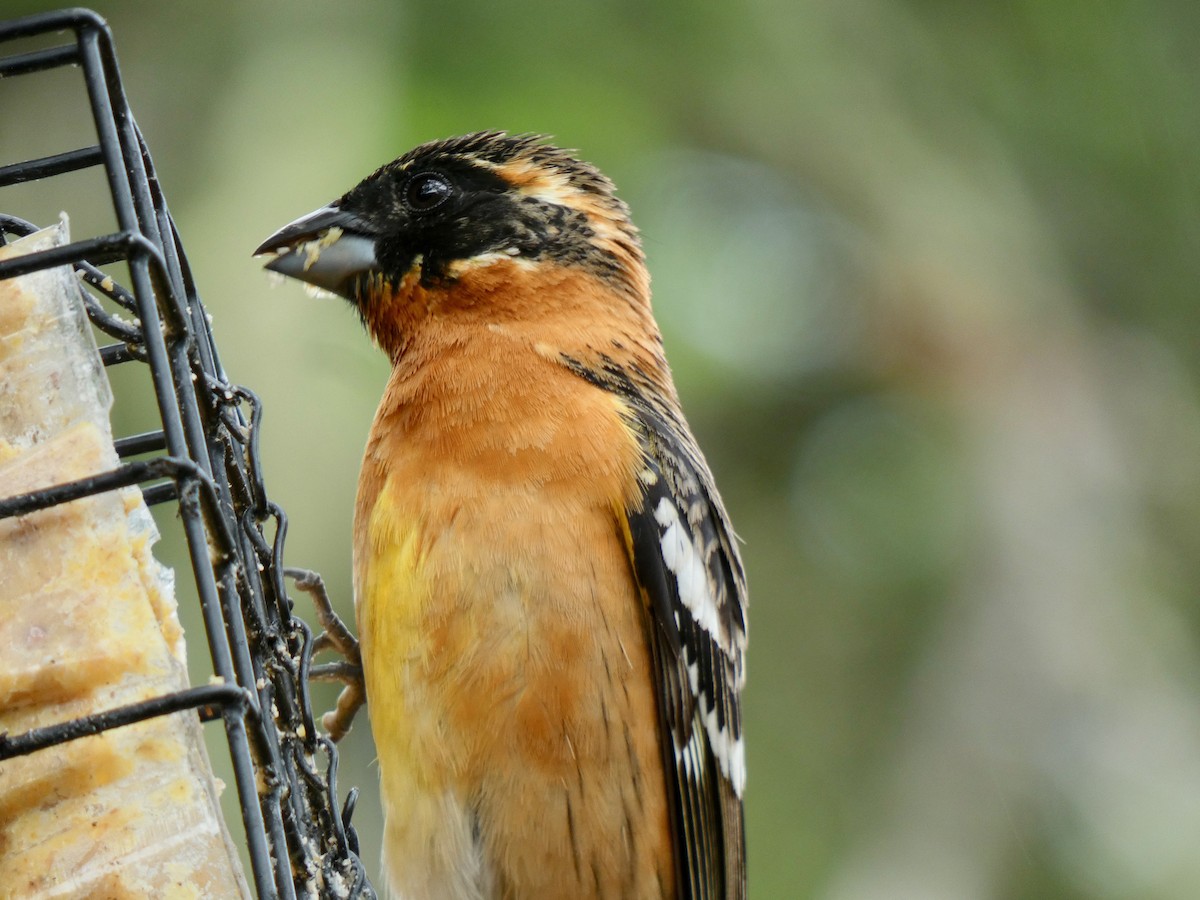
[
  {"x": 104, "y": 283},
  {"x": 209, "y": 695},
  {"x": 39, "y": 60},
  {"x": 147, "y": 442},
  {"x": 114, "y": 354},
  {"x": 114, "y": 327},
  {"x": 16, "y": 226},
  {"x": 160, "y": 493},
  {"x": 44, "y": 23},
  {"x": 47, "y": 166},
  {"x": 98, "y": 250},
  {"x": 123, "y": 476}
]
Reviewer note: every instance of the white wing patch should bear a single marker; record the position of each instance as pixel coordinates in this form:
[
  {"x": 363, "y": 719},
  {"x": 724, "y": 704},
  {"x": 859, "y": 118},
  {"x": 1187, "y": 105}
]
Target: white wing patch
[
  {"x": 695, "y": 592},
  {"x": 684, "y": 563}
]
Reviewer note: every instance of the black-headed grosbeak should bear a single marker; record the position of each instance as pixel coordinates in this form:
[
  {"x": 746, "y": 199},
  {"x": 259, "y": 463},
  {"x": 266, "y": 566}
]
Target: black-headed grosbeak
[{"x": 549, "y": 597}]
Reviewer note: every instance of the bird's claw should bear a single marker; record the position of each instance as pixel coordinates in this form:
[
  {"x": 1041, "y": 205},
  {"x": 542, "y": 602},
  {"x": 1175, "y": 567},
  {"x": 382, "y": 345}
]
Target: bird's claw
[{"x": 337, "y": 637}]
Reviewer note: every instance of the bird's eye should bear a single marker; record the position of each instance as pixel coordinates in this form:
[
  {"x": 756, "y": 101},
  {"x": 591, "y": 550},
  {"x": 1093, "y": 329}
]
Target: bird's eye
[{"x": 426, "y": 191}]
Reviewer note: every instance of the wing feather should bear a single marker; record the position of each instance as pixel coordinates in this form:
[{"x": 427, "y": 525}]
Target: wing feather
[
  {"x": 684, "y": 556},
  {"x": 687, "y": 566}
]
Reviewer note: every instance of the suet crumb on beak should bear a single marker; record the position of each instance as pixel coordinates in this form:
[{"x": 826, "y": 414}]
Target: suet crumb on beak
[
  {"x": 318, "y": 293},
  {"x": 312, "y": 249}
]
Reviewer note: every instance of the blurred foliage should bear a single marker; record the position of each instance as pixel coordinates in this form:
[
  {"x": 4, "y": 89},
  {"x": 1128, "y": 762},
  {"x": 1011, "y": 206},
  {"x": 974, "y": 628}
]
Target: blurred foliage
[{"x": 926, "y": 272}]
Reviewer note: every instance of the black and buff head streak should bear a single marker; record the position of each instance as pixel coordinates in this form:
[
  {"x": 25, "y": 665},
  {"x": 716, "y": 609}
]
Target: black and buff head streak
[
  {"x": 487, "y": 215},
  {"x": 508, "y": 195}
]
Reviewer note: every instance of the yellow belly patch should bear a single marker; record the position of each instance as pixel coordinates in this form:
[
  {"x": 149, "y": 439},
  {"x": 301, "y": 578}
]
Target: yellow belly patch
[
  {"x": 429, "y": 848},
  {"x": 393, "y": 601}
]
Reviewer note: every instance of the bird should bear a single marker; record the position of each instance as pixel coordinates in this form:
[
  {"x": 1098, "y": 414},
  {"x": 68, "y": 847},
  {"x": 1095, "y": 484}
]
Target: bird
[{"x": 548, "y": 591}]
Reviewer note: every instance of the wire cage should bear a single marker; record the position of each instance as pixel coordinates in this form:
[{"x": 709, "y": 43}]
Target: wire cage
[{"x": 204, "y": 459}]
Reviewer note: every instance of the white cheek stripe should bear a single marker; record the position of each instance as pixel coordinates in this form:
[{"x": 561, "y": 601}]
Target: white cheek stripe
[{"x": 491, "y": 257}]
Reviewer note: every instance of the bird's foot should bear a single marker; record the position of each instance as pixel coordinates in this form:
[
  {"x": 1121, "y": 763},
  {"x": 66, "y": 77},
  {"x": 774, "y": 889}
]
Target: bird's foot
[{"x": 334, "y": 636}]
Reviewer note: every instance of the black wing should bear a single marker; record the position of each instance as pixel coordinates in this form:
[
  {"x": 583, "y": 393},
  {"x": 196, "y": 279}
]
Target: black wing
[
  {"x": 682, "y": 551},
  {"x": 687, "y": 565}
]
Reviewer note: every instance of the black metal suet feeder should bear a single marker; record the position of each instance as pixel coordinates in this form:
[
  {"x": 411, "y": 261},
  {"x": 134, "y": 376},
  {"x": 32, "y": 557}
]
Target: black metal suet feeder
[{"x": 204, "y": 459}]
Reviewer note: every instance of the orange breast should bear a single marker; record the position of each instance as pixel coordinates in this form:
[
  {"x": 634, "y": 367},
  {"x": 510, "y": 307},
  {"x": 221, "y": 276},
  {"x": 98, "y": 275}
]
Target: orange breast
[{"x": 507, "y": 670}]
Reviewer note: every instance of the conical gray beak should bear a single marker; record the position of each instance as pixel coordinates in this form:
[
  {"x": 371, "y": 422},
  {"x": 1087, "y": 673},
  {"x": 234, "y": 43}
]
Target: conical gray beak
[{"x": 328, "y": 248}]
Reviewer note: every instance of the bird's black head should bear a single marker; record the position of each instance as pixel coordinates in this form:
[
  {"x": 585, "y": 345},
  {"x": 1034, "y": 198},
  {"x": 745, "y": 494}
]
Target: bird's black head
[{"x": 448, "y": 206}]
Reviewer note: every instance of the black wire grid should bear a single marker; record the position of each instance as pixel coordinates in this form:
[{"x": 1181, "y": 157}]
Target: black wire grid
[{"x": 205, "y": 459}]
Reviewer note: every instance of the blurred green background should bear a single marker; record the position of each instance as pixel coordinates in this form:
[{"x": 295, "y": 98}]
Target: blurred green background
[{"x": 927, "y": 274}]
